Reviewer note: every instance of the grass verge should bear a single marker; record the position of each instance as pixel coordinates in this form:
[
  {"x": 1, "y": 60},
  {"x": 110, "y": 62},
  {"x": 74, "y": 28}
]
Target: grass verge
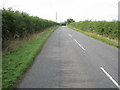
[
  {"x": 97, "y": 37},
  {"x": 16, "y": 63}
]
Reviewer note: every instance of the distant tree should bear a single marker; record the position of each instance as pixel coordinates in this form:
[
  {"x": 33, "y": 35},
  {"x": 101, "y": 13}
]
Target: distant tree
[{"x": 70, "y": 21}]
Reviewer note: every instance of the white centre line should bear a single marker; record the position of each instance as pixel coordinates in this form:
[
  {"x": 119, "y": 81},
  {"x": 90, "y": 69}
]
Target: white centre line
[
  {"x": 110, "y": 77},
  {"x": 70, "y": 35},
  {"x": 79, "y": 44}
]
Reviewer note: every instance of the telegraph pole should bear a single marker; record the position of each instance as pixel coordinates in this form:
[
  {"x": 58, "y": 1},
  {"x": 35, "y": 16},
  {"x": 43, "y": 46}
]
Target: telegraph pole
[{"x": 56, "y": 16}]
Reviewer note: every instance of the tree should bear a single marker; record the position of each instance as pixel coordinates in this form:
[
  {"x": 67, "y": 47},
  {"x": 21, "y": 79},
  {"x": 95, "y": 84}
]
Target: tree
[{"x": 70, "y": 21}]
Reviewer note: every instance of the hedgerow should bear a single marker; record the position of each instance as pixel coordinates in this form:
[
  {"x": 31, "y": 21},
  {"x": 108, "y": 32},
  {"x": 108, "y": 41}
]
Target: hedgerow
[
  {"x": 109, "y": 29},
  {"x": 16, "y": 24}
]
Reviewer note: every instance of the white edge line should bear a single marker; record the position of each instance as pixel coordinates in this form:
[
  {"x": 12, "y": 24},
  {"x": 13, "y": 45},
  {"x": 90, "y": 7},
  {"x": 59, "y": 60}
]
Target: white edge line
[
  {"x": 79, "y": 44},
  {"x": 110, "y": 77}
]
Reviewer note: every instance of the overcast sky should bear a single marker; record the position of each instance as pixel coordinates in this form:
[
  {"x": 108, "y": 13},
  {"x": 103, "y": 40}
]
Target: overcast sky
[{"x": 75, "y": 9}]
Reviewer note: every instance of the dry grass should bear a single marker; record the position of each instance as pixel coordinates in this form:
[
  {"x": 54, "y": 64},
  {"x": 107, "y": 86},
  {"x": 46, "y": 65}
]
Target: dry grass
[
  {"x": 107, "y": 40},
  {"x": 14, "y": 44}
]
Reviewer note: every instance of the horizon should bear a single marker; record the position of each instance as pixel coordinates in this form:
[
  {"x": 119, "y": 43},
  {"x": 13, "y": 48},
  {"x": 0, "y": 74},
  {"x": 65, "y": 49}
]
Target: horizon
[{"x": 78, "y": 10}]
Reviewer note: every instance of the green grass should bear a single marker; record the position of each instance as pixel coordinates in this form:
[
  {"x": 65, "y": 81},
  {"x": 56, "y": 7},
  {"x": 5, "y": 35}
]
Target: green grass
[
  {"x": 97, "y": 37},
  {"x": 16, "y": 63}
]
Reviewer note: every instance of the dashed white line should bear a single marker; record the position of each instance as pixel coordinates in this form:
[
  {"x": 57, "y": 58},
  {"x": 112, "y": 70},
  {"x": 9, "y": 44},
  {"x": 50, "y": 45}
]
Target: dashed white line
[
  {"x": 79, "y": 44},
  {"x": 110, "y": 77},
  {"x": 70, "y": 35}
]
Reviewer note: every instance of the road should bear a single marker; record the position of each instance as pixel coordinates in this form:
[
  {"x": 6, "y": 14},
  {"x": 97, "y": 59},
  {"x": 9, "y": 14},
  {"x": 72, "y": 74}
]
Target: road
[{"x": 70, "y": 59}]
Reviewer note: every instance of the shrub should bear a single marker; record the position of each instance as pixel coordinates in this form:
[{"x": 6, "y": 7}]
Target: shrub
[
  {"x": 109, "y": 29},
  {"x": 18, "y": 24}
]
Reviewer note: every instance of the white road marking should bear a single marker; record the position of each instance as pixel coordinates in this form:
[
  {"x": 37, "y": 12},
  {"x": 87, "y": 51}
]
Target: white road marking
[
  {"x": 110, "y": 77},
  {"x": 79, "y": 44},
  {"x": 70, "y": 35}
]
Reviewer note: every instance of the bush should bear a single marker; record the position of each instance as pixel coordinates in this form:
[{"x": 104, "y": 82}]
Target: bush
[
  {"x": 18, "y": 24},
  {"x": 109, "y": 29}
]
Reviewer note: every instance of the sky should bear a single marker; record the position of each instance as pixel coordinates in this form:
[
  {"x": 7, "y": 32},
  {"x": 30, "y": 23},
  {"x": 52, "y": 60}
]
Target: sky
[{"x": 78, "y": 10}]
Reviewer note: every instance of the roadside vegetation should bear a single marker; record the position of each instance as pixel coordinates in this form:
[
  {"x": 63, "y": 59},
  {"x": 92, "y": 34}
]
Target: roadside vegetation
[
  {"x": 23, "y": 38},
  {"x": 104, "y": 31},
  {"x": 17, "y": 62},
  {"x": 16, "y": 24}
]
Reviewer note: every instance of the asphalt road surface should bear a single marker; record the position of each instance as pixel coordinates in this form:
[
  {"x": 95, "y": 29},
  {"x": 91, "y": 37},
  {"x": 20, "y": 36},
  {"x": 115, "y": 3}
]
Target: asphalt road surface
[{"x": 70, "y": 59}]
